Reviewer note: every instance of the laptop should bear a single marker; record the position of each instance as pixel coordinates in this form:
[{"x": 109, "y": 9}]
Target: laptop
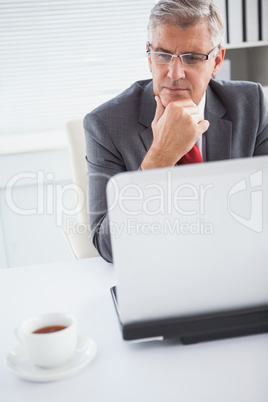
[{"x": 190, "y": 249}]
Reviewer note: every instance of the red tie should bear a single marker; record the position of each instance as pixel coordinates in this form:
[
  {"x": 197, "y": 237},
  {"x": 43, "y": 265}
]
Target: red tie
[{"x": 193, "y": 156}]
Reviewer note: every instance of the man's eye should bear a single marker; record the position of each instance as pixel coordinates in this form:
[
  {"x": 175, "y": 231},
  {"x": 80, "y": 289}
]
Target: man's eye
[
  {"x": 163, "y": 57},
  {"x": 192, "y": 58}
]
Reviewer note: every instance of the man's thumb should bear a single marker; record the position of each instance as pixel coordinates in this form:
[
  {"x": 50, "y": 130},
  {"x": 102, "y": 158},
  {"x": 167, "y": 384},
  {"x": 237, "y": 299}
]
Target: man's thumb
[{"x": 159, "y": 108}]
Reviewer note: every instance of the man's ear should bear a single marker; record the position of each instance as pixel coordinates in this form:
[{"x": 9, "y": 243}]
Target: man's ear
[
  {"x": 149, "y": 59},
  {"x": 218, "y": 60}
]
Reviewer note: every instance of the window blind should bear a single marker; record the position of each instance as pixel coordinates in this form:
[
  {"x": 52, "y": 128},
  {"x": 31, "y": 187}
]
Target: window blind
[{"x": 59, "y": 59}]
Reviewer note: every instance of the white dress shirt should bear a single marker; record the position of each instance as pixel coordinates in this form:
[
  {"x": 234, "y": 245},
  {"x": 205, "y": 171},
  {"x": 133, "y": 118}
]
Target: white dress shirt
[{"x": 201, "y": 142}]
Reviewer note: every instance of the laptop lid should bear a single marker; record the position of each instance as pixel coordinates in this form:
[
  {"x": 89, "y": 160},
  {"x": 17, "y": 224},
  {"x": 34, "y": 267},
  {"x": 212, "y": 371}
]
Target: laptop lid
[{"x": 191, "y": 239}]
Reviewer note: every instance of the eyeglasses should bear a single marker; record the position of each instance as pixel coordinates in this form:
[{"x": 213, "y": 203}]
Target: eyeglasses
[{"x": 189, "y": 59}]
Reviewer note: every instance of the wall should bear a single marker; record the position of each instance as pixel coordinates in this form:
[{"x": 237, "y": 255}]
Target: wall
[{"x": 36, "y": 199}]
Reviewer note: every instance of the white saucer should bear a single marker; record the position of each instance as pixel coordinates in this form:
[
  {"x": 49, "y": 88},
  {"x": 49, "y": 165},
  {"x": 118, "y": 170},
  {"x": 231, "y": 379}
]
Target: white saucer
[{"x": 18, "y": 362}]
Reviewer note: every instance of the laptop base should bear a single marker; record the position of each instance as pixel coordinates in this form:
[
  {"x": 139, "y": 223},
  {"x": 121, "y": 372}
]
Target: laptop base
[{"x": 199, "y": 328}]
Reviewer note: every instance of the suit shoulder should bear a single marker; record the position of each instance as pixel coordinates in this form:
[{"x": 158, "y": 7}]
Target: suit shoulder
[
  {"x": 234, "y": 88},
  {"x": 126, "y": 100}
]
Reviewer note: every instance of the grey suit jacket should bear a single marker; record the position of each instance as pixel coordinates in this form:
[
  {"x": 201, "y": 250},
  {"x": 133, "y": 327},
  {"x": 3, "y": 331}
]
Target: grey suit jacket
[{"x": 118, "y": 135}]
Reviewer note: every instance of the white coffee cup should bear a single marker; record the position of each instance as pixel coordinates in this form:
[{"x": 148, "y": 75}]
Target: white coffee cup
[{"x": 48, "y": 349}]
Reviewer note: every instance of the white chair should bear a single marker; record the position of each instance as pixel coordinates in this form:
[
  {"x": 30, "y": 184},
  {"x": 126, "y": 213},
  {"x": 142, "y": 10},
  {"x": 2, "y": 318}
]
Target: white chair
[
  {"x": 79, "y": 236},
  {"x": 265, "y": 90}
]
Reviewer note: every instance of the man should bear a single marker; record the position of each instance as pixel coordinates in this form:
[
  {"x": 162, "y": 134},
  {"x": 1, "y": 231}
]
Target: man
[{"x": 182, "y": 113}]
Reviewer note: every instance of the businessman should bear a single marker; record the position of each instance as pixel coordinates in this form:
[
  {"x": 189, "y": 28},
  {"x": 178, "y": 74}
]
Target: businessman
[{"x": 183, "y": 115}]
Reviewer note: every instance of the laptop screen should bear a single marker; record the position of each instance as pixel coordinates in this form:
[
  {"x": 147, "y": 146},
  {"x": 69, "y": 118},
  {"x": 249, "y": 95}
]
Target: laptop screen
[{"x": 190, "y": 239}]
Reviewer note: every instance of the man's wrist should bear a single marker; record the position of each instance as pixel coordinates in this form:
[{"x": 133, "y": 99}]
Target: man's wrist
[{"x": 156, "y": 159}]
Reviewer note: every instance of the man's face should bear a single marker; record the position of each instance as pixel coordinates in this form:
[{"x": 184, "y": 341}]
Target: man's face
[{"x": 175, "y": 81}]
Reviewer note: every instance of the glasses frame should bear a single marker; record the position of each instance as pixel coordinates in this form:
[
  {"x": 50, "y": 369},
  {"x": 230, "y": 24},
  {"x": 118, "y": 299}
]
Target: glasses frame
[{"x": 206, "y": 56}]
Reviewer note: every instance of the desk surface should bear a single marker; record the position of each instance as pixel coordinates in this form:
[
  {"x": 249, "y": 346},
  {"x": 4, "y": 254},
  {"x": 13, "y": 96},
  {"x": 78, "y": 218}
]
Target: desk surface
[{"x": 232, "y": 370}]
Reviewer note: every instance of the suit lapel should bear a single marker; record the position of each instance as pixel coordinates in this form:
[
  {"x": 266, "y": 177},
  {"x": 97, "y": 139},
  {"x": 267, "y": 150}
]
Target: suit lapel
[
  {"x": 219, "y": 133},
  {"x": 146, "y": 116}
]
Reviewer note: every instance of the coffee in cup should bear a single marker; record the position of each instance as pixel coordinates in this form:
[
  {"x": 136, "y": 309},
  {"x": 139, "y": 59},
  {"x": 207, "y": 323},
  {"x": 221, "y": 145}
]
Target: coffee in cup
[{"x": 49, "y": 339}]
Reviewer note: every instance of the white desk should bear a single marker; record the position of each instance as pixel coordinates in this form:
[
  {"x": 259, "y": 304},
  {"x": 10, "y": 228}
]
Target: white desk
[{"x": 233, "y": 370}]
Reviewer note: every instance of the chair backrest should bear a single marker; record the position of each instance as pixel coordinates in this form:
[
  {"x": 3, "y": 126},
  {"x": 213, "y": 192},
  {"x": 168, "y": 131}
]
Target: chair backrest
[
  {"x": 77, "y": 149},
  {"x": 265, "y": 90},
  {"x": 79, "y": 240}
]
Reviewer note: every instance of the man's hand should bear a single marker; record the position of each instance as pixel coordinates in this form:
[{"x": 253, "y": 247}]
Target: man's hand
[{"x": 176, "y": 129}]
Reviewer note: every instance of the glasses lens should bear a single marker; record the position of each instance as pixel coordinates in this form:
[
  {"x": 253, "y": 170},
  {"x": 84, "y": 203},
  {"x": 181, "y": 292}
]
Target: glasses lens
[
  {"x": 192, "y": 59},
  {"x": 160, "y": 58}
]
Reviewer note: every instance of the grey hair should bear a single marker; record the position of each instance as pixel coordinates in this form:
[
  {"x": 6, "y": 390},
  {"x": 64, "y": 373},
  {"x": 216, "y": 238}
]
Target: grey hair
[{"x": 185, "y": 13}]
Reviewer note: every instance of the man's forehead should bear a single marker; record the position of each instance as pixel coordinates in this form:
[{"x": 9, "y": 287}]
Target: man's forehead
[{"x": 171, "y": 39}]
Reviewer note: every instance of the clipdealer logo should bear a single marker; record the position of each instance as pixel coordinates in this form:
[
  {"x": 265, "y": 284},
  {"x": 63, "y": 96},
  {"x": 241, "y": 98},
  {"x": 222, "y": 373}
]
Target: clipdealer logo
[{"x": 255, "y": 220}]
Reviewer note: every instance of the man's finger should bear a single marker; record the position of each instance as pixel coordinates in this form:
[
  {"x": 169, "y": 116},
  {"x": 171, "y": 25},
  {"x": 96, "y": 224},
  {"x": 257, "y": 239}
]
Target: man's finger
[{"x": 204, "y": 125}]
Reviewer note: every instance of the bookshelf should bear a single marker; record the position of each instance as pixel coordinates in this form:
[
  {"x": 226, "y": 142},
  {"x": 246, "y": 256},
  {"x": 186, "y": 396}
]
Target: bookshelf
[
  {"x": 246, "y": 39},
  {"x": 249, "y": 61}
]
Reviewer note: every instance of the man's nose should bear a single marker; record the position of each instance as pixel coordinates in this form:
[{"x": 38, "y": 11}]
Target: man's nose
[{"x": 176, "y": 69}]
